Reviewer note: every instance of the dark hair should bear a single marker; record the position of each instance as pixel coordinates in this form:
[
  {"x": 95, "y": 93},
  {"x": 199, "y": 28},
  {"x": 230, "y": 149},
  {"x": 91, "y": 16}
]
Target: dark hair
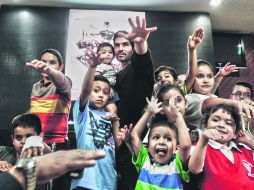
[
  {"x": 165, "y": 68},
  {"x": 27, "y": 120},
  {"x": 161, "y": 120},
  {"x": 105, "y": 44},
  {"x": 101, "y": 78},
  {"x": 201, "y": 62},
  {"x": 245, "y": 84},
  {"x": 55, "y": 53},
  {"x": 229, "y": 109},
  {"x": 116, "y": 35},
  {"x": 167, "y": 87}
]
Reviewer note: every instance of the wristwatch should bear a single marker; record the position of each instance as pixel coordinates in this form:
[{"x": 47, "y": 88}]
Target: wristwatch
[{"x": 27, "y": 166}]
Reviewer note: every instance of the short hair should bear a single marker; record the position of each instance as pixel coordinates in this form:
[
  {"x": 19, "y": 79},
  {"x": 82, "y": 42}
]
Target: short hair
[
  {"x": 245, "y": 84},
  {"x": 116, "y": 35},
  {"x": 55, "y": 53},
  {"x": 105, "y": 44},
  {"x": 229, "y": 109},
  {"x": 165, "y": 68},
  {"x": 201, "y": 62},
  {"x": 101, "y": 78},
  {"x": 27, "y": 120},
  {"x": 162, "y": 120},
  {"x": 167, "y": 87}
]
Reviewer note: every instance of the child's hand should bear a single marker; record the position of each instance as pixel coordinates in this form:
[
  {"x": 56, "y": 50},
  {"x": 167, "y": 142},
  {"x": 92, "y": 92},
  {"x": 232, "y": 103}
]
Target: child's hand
[
  {"x": 195, "y": 40},
  {"x": 212, "y": 134},
  {"x": 227, "y": 69},
  {"x": 125, "y": 133},
  {"x": 40, "y": 66},
  {"x": 92, "y": 58},
  {"x": 243, "y": 137},
  {"x": 171, "y": 110},
  {"x": 112, "y": 117},
  {"x": 153, "y": 106},
  {"x": 5, "y": 166}
]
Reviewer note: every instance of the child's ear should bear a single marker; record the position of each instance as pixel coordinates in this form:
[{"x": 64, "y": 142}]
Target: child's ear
[
  {"x": 61, "y": 67},
  {"x": 235, "y": 135},
  {"x": 186, "y": 104},
  {"x": 41, "y": 134}
]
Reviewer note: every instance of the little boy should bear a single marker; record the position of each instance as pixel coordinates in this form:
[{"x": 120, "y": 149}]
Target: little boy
[
  {"x": 93, "y": 131},
  {"x": 159, "y": 165},
  {"x": 23, "y": 127},
  {"x": 225, "y": 164}
]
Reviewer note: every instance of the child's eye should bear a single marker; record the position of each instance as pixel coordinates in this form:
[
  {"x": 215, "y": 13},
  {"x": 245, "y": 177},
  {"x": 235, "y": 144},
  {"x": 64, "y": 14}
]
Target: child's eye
[
  {"x": 106, "y": 92},
  {"x": 168, "y": 138},
  {"x": 18, "y": 137},
  {"x": 155, "y": 138},
  {"x": 200, "y": 76},
  {"x": 210, "y": 76},
  {"x": 179, "y": 99},
  {"x": 96, "y": 90}
]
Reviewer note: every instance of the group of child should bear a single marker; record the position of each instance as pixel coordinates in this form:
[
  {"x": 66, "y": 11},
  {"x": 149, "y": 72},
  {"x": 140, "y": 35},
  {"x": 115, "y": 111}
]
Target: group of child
[{"x": 221, "y": 154}]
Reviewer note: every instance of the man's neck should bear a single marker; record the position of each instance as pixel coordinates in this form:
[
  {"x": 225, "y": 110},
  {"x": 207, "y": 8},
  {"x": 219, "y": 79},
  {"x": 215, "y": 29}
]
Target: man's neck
[{"x": 124, "y": 64}]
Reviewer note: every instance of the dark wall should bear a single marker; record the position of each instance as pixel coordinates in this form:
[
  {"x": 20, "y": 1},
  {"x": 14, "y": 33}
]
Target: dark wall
[
  {"x": 168, "y": 43},
  {"x": 24, "y": 33}
]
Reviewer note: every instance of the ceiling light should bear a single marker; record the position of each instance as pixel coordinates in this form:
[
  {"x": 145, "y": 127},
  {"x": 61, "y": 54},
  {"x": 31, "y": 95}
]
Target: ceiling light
[{"x": 215, "y": 3}]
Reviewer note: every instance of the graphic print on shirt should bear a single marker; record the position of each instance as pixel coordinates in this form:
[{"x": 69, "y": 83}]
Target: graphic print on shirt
[
  {"x": 249, "y": 168},
  {"x": 101, "y": 132}
]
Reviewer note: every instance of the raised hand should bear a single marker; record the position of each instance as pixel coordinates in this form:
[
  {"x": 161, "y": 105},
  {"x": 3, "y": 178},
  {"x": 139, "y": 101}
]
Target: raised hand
[
  {"x": 227, "y": 69},
  {"x": 153, "y": 106},
  {"x": 140, "y": 32},
  {"x": 125, "y": 133},
  {"x": 171, "y": 111},
  {"x": 195, "y": 39},
  {"x": 92, "y": 58}
]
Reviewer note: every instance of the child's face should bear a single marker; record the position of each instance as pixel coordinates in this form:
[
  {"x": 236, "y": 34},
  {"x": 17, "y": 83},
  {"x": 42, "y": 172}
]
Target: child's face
[
  {"x": 100, "y": 94},
  {"x": 106, "y": 55},
  {"x": 165, "y": 77},
  {"x": 20, "y": 135},
  {"x": 52, "y": 62},
  {"x": 180, "y": 102},
  {"x": 204, "y": 80},
  {"x": 224, "y": 123},
  {"x": 162, "y": 143}
]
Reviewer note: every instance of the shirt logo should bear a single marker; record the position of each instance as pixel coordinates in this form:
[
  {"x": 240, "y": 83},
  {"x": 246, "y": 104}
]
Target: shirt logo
[{"x": 249, "y": 167}]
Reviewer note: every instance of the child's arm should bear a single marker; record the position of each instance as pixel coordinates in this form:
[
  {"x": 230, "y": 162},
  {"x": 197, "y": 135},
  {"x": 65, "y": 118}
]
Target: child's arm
[
  {"x": 193, "y": 43},
  {"x": 139, "y": 35},
  {"x": 226, "y": 70},
  {"x": 176, "y": 117},
  {"x": 125, "y": 135},
  {"x": 88, "y": 79},
  {"x": 153, "y": 107},
  {"x": 239, "y": 105},
  {"x": 61, "y": 82},
  {"x": 197, "y": 158}
]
